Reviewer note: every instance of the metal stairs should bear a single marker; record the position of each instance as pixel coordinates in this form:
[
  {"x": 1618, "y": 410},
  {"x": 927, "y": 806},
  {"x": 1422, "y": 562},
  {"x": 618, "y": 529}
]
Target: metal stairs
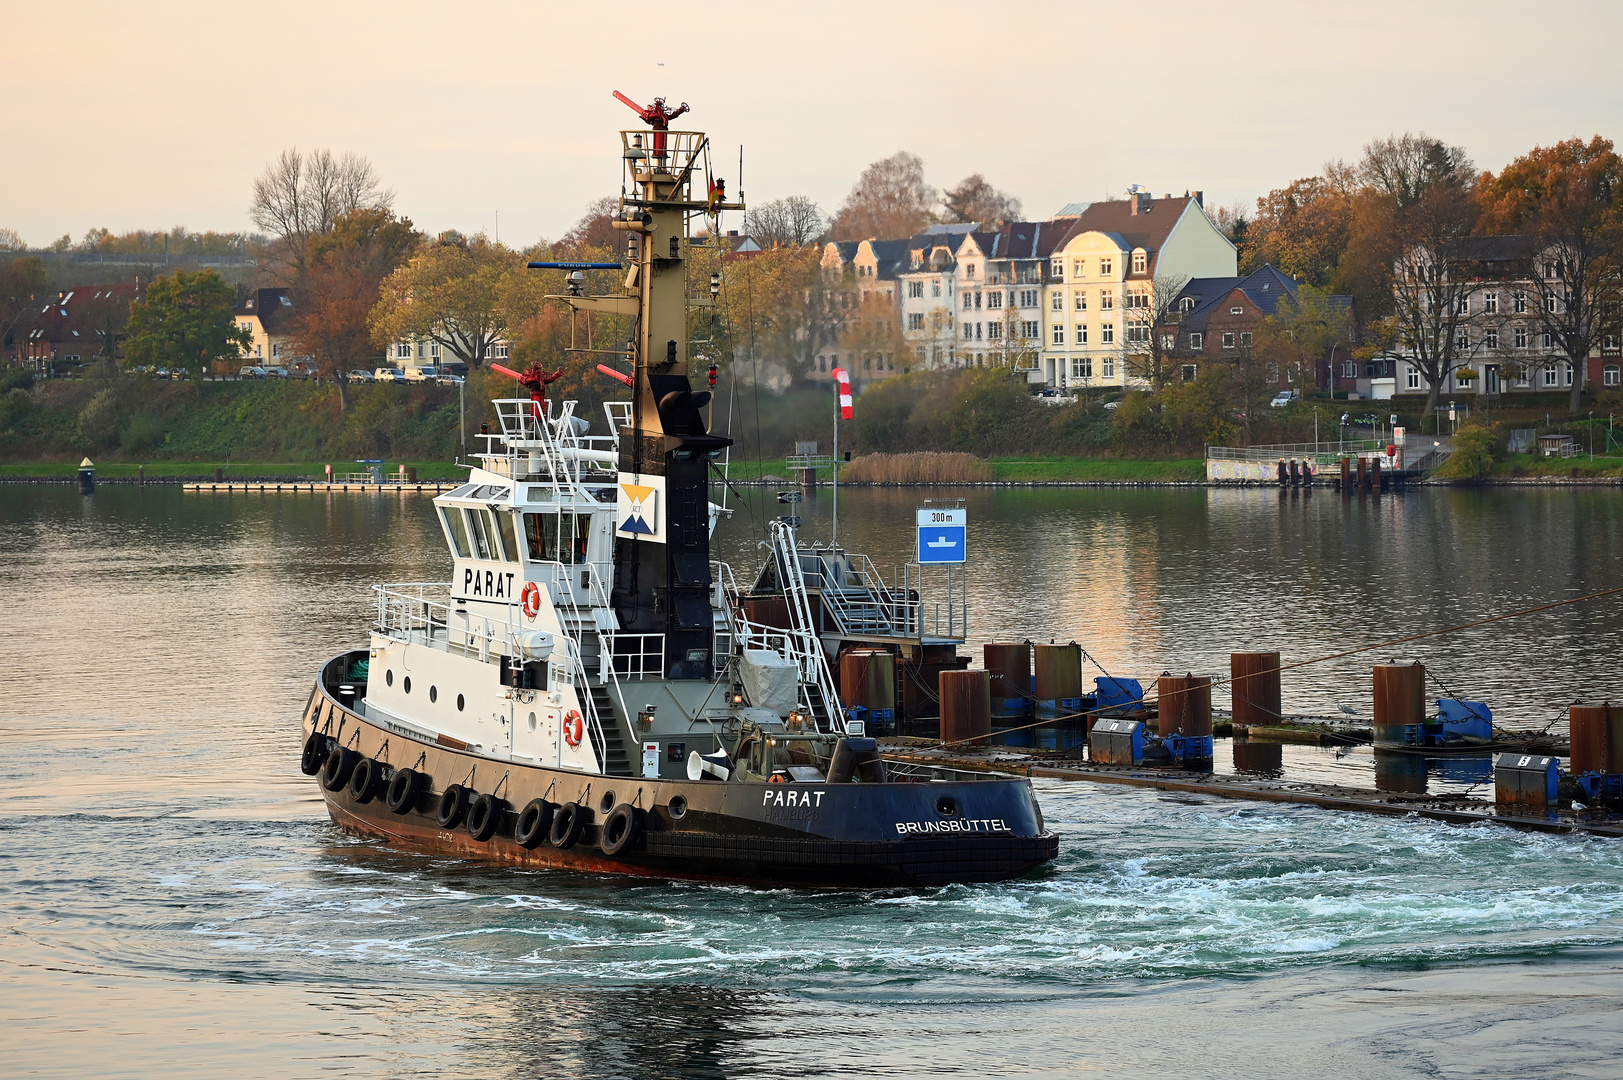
[{"x": 613, "y": 753}]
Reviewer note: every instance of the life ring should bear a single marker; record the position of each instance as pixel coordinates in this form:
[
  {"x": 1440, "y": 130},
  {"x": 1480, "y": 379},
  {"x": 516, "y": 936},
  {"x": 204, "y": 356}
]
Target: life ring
[
  {"x": 530, "y": 599},
  {"x": 574, "y": 728},
  {"x": 777, "y": 778}
]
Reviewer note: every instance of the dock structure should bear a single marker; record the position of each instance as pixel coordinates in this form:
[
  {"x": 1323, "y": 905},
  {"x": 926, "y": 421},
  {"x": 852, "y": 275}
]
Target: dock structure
[{"x": 422, "y": 487}]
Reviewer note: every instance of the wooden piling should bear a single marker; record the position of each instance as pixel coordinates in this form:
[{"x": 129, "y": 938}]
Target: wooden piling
[{"x": 1254, "y": 679}]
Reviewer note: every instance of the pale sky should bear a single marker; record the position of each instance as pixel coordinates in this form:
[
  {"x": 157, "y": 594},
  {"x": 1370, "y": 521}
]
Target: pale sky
[{"x": 161, "y": 113}]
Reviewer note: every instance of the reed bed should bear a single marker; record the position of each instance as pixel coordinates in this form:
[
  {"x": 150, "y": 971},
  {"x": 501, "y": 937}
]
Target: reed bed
[{"x": 920, "y": 468}]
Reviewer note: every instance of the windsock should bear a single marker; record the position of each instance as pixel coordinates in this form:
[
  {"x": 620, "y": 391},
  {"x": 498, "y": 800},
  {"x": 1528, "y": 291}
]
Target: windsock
[{"x": 844, "y": 379}]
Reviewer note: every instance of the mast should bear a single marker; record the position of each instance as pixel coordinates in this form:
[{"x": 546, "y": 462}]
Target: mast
[{"x": 661, "y": 589}]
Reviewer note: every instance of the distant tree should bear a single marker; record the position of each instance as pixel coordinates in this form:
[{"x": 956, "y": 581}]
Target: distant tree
[
  {"x": 595, "y": 229},
  {"x": 301, "y": 195},
  {"x": 791, "y": 221},
  {"x": 10, "y": 241},
  {"x": 1303, "y": 331},
  {"x": 107, "y": 315},
  {"x": 1565, "y": 202},
  {"x": 454, "y": 293},
  {"x": 187, "y": 321},
  {"x": 1416, "y": 213},
  {"x": 976, "y": 200},
  {"x": 1232, "y": 221},
  {"x": 332, "y": 300},
  {"x": 890, "y": 200},
  {"x": 1148, "y": 347},
  {"x": 1302, "y": 228},
  {"x": 21, "y": 280},
  {"x": 61, "y": 243}
]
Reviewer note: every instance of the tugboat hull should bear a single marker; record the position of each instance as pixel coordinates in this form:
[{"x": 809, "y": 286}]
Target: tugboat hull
[{"x": 806, "y": 834}]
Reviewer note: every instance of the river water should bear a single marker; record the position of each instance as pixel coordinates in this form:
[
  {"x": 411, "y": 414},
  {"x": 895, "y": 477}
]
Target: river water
[{"x": 176, "y": 903}]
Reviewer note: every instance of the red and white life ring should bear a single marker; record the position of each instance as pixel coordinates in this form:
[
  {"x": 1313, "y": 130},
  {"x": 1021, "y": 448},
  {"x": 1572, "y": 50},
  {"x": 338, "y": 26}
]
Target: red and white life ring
[
  {"x": 574, "y": 728},
  {"x": 530, "y": 599}
]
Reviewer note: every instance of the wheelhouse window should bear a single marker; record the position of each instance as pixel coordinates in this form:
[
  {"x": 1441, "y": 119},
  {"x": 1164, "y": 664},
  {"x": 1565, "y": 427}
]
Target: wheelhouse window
[
  {"x": 457, "y": 530},
  {"x": 483, "y": 534},
  {"x": 557, "y": 537}
]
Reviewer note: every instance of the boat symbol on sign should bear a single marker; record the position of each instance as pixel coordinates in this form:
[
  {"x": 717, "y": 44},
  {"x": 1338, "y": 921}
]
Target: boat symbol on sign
[{"x": 941, "y": 544}]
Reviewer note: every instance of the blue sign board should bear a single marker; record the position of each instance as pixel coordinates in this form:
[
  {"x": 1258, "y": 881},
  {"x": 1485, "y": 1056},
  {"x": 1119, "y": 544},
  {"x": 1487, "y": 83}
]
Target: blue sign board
[{"x": 942, "y": 544}]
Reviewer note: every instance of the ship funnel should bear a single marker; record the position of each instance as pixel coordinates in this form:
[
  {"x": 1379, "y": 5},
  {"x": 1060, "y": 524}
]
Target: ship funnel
[{"x": 700, "y": 765}]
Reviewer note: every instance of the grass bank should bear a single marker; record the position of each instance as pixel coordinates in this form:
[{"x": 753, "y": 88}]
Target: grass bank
[{"x": 1032, "y": 469}]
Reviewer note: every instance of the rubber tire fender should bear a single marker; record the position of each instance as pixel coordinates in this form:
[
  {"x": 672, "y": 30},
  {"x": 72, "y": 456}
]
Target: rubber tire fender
[
  {"x": 315, "y": 754},
  {"x": 534, "y": 823},
  {"x": 567, "y": 825},
  {"x": 339, "y": 764},
  {"x": 452, "y": 807},
  {"x": 485, "y": 816},
  {"x": 622, "y": 830},
  {"x": 365, "y": 780},
  {"x": 402, "y": 796}
]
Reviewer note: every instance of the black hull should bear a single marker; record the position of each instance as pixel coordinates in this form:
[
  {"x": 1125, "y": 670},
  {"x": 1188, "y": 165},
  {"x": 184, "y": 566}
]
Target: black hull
[{"x": 811, "y": 835}]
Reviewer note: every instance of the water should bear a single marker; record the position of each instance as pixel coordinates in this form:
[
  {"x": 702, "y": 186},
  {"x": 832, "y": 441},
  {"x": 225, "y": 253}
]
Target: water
[{"x": 176, "y": 903}]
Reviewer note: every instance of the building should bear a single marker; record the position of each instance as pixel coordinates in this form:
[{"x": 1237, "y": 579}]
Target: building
[
  {"x": 926, "y": 286},
  {"x": 1216, "y": 320},
  {"x": 73, "y": 328},
  {"x": 267, "y": 315},
  {"x": 1115, "y": 265}
]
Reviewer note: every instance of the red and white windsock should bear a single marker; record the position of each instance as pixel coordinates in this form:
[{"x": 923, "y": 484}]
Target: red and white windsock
[{"x": 844, "y": 379}]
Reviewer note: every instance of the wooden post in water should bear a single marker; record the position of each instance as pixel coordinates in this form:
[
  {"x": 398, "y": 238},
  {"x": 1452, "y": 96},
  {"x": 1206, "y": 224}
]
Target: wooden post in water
[{"x": 1254, "y": 679}]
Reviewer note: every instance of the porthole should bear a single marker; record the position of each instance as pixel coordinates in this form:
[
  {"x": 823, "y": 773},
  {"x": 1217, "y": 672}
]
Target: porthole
[
  {"x": 607, "y": 802},
  {"x": 532, "y": 721},
  {"x": 407, "y": 684},
  {"x": 388, "y": 677},
  {"x": 679, "y": 806},
  {"x": 433, "y": 693},
  {"x": 947, "y": 806},
  {"x": 459, "y": 703}
]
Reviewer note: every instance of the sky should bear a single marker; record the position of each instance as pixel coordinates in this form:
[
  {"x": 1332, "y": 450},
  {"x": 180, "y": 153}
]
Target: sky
[{"x": 497, "y": 117}]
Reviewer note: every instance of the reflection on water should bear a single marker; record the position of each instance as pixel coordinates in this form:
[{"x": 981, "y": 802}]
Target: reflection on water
[
  {"x": 178, "y": 905},
  {"x": 1261, "y": 759}
]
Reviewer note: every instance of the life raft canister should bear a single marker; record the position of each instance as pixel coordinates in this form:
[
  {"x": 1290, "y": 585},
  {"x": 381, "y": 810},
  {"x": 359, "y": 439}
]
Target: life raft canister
[
  {"x": 530, "y": 598},
  {"x": 574, "y": 728}
]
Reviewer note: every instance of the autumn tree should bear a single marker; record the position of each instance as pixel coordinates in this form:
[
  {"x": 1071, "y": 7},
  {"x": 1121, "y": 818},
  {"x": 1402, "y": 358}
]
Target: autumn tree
[
  {"x": 595, "y": 229},
  {"x": 335, "y": 293},
  {"x": 10, "y": 241},
  {"x": 872, "y": 339},
  {"x": 973, "y": 199},
  {"x": 187, "y": 320},
  {"x": 457, "y": 292},
  {"x": 1565, "y": 205},
  {"x": 1304, "y": 330},
  {"x": 890, "y": 200},
  {"x": 1302, "y": 228},
  {"x": 1147, "y": 347},
  {"x": 1416, "y": 216},
  {"x": 301, "y": 195},
  {"x": 790, "y": 221},
  {"x": 20, "y": 280}
]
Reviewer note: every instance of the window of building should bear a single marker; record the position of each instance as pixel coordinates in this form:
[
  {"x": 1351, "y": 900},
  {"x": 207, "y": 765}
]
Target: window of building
[
  {"x": 1187, "y": 304},
  {"x": 994, "y": 331},
  {"x": 1462, "y": 339},
  {"x": 1549, "y": 303},
  {"x": 977, "y": 301},
  {"x": 1490, "y": 338},
  {"x": 1056, "y": 268},
  {"x": 1521, "y": 337},
  {"x": 994, "y": 300},
  {"x": 1189, "y": 373},
  {"x": 276, "y": 351},
  {"x": 1413, "y": 381},
  {"x": 969, "y": 270},
  {"x": 1107, "y": 367},
  {"x": 1566, "y": 374},
  {"x": 1028, "y": 298},
  {"x": 1076, "y": 268},
  {"x": 422, "y": 350},
  {"x": 1169, "y": 342},
  {"x": 978, "y": 331},
  {"x": 1609, "y": 375},
  {"x": 915, "y": 321},
  {"x": 915, "y": 290},
  {"x": 1138, "y": 298},
  {"x": 1081, "y": 333},
  {"x": 1104, "y": 267},
  {"x": 935, "y": 288},
  {"x": 503, "y": 351},
  {"x": 1107, "y": 334},
  {"x": 1057, "y": 302},
  {"x": 1549, "y": 341},
  {"x": 1107, "y": 300},
  {"x": 1518, "y": 303},
  {"x": 1273, "y": 373},
  {"x": 1608, "y": 342},
  {"x": 1549, "y": 375},
  {"x": 1058, "y": 334},
  {"x": 1349, "y": 370},
  {"x": 1082, "y": 367},
  {"x": 1236, "y": 311},
  {"x": 1228, "y": 339},
  {"x": 1490, "y": 303},
  {"x": 1141, "y": 262},
  {"x": 434, "y": 351},
  {"x": 969, "y": 332},
  {"x": 1030, "y": 328},
  {"x": 1197, "y": 341},
  {"x": 1245, "y": 339},
  {"x": 1138, "y": 333},
  {"x": 1081, "y": 300},
  {"x": 1464, "y": 306},
  {"x": 1552, "y": 270},
  {"x": 402, "y": 351},
  {"x": 967, "y": 301}
]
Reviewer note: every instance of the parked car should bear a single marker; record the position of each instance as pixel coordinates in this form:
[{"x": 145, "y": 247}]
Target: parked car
[
  {"x": 275, "y": 372},
  {"x": 445, "y": 378},
  {"x": 454, "y": 367},
  {"x": 388, "y": 374},
  {"x": 422, "y": 373},
  {"x": 1284, "y": 398},
  {"x": 361, "y": 375},
  {"x": 251, "y": 371}
]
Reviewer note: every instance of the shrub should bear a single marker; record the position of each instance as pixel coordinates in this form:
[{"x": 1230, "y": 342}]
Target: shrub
[{"x": 1473, "y": 457}]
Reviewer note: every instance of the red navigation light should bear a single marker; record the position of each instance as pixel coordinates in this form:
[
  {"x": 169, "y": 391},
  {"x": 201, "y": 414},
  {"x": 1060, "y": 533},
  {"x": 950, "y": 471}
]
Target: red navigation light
[{"x": 712, "y": 375}]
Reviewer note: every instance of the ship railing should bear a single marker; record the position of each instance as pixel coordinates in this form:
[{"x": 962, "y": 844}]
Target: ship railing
[
  {"x": 861, "y": 602},
  {"x": 588, "y": 704},
  {"x": 408, "y": 611},
  {"x": 728, "y": 599},
  {"x": 677, "y": 155},
  {"x": 809, "y": 655},
  {"x": 552, "y": 446},
  {"x": 805, "y": 651},
  {"x": 633, "y": 656}
]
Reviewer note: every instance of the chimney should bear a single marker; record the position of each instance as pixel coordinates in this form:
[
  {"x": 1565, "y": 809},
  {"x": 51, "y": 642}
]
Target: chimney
[
  {"x": 1200, "y": 199},
  {"x": 732, "y": 232},
  {"x": 1133, "y": 203}
]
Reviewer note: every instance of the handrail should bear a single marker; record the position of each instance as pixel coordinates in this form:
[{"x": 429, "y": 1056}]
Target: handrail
[{"x": 812, "y": 662}]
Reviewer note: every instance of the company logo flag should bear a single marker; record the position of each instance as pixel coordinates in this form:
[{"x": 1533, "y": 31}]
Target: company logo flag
[
  {"x": 643, "y": 509},
  {"x": 844, "y": 379}
]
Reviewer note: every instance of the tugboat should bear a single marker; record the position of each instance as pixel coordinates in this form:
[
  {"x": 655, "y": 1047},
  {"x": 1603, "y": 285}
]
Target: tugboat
[{"x": 588, "y": 692}]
